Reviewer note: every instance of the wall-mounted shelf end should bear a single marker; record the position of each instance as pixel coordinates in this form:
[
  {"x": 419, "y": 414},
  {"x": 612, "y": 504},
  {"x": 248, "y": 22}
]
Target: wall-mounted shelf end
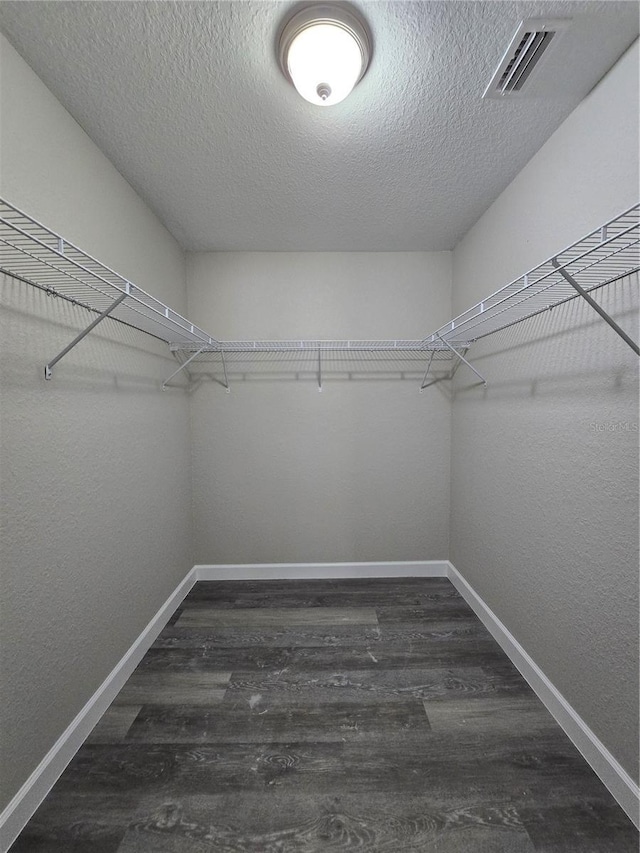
[
  {"x": 36, "y": 255},
  {"x": 608, "y": 254}
]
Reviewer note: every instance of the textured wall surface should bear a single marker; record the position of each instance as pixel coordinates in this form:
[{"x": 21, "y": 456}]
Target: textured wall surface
[
  {"x": 544, "y": 520},
  {"x": 94, "y": 465},
  {"x": 284, "y": 473}
]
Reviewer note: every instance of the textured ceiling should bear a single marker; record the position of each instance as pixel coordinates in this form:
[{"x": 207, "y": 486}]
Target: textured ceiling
[{"x": 187, "y": 100}]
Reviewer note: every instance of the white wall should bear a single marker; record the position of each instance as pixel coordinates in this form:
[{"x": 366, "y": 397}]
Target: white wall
[
  {"x": 94, "y": 465},
  {"x": 544, "y": 515},
  {"x": 284, "y": 473}
]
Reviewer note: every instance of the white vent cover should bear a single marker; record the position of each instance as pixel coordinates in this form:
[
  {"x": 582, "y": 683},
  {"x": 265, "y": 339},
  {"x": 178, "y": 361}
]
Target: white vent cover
[{"x": 529, "y": 44}]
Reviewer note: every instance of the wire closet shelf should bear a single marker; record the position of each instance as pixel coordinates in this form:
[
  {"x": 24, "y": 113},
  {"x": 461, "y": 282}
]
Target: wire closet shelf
[
  {"x": 607, "y": 254},
  {"x": 36, "y": 255}
]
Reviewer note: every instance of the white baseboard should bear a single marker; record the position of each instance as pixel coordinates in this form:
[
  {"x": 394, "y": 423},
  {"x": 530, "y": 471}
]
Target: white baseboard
[
  {"x": 610, "y": 771},
  {"x": 18, "y": 812},
  {"x": 310, "y": 571}
]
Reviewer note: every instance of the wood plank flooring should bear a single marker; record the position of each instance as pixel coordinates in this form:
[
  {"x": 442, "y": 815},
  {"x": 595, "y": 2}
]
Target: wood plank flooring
[{"x": 376, "y": 716}]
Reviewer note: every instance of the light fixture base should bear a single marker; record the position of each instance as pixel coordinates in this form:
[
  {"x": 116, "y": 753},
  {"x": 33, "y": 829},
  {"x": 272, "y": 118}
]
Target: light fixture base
[{"x": 330, "y": 15}]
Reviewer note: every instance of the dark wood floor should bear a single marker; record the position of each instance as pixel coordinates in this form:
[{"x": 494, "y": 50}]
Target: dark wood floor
[{"x": 376, "y": 716}]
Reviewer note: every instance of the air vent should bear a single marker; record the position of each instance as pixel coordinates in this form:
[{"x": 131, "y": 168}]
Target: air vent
[{"x": 529, "y": 44}]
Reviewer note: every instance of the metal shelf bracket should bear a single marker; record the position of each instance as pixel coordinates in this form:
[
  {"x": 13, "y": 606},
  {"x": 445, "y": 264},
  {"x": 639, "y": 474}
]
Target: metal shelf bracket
[
  {"x": 48, "y": 367},
  {"x": 224, "y": 368},
  {"x": 191, "y": 358},
  {"x": 463, "y": 360},
  {"x": 606, "y": 317},
  {"x": 424, "y": 383},
  {"x": 182, "y": 367}
]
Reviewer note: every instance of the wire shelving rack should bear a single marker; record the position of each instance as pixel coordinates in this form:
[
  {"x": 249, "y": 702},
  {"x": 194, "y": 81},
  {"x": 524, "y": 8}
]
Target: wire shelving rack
[
  {"x": 36, "y": 255},
  {"x": 605, "y": 255}
]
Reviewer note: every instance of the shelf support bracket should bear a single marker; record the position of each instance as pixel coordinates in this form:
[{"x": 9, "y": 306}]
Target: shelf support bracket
[
  {"x": 182, "y": 367},
  {"x": 224, "y": 368},
  {"x": 426, "y": 373},
  {"x": 48, "y": 367},
  {"x": 455, "y": 367},
  {"x": 606, "y": 317},
  {"x": 463, "y": 359}
]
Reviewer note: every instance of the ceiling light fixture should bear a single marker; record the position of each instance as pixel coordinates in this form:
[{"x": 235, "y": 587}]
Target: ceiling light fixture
[{"x": 324, "y": 51}]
